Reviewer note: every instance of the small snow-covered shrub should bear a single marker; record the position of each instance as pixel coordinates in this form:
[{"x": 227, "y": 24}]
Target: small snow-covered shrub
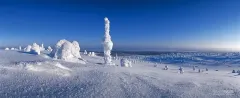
[
  {"x": 91, "y": 54},
  {"x": 35, "y": 49},
  {"x": 28, "y": 48},
  {"x": 42, "y": 48},
  {"x": 6, "y": 48},
  {"x": 85, "y": 52},
  {"x": 12, "y": 48},
  {"x": 126, "y": 63},
  {"x": 181, "y": 70},
  {"x": 19, "y": 48},
  {"x": 233, "y": 71},
  {"x": 49, "y": 48}
]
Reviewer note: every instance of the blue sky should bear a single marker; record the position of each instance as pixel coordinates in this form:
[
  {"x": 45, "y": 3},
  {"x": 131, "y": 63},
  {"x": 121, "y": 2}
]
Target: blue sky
[{"x": 135, "y": 24}]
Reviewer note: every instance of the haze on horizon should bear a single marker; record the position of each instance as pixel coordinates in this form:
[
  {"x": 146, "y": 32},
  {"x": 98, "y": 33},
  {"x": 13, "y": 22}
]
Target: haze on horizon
[{"x": 137, "y": 25}]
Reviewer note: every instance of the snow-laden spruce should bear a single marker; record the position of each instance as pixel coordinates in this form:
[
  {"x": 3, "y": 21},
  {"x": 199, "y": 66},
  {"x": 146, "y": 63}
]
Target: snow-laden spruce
[
  {"x": 12, "y": 48},
  {"x": 91, "y": 54},
  {"x": 67, "y": 51},
  {"x": 125, "y": 63},
  {"x": 49, "y": 48},
  {"x": 6, "y": 48},
  {"x": 42, "y": 47},
  {"x": 35, "y": 49},
  {"x": 85, "y": 52},
  {"x": 107, "y": 44},
  {"x": 20, "y": 48},
  {"x": 28, "y": 48}
]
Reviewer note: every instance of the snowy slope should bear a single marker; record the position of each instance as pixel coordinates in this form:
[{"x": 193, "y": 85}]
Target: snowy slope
[{"x": 27, "y": 75}]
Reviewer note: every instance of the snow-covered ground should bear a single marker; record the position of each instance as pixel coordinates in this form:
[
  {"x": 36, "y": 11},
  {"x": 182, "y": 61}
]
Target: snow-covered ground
[{"x": 27, "y": 75}]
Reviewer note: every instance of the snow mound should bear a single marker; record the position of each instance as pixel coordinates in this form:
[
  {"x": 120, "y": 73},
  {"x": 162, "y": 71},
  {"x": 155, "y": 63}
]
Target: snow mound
[
  {"x": 126, "y": 63},
  {"x": 67, "y": 51}
]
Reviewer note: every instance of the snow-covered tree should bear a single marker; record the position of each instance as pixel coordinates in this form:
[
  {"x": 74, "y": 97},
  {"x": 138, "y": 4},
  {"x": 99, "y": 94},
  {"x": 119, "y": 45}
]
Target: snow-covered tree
[
  {"x": 49, "y": 48},
  {"x": 199, "y": 70},
  {"x": 20, "y": 48},
  {"x": 125, "y": 63},
  {"x": 166, "y": 67},
  {"x": 107, "y": 44},
  {"x": 42, "y": 48},
  {"x": 28, "y": 48},
  {"x": 35, "y": 49},
  {"x": 6, "y": 48},
  {"x": 85, "y": 52},
  {"x": 181, "y": 70},
  {"x": 76, "y": 49},
  {"x": 233, "y": 71},
  {"x": 12, "y": 48},
  {"x": 193, "y": 68},
  {"x": 66, "y": 50}
]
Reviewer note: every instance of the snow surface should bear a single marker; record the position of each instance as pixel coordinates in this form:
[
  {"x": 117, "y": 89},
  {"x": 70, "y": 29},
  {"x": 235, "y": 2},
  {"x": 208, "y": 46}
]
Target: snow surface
[{"x": 28, "y": 76}]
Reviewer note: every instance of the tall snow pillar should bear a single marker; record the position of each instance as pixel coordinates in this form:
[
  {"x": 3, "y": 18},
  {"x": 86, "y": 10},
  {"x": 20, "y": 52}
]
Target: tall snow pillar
[{"x": 107, "y": 44}]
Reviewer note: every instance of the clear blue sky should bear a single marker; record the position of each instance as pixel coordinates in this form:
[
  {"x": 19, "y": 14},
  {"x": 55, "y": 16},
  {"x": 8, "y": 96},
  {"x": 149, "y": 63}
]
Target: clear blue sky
[{"x": 193, "y": 24}]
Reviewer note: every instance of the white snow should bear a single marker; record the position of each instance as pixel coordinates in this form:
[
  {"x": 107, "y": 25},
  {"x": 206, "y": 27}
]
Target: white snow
[{"x": 26, "y": 75}]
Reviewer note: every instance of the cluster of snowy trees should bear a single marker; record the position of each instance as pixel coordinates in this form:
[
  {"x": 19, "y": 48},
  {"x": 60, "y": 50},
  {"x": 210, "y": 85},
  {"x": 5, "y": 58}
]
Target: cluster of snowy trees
[
  {"x": 66, "y": 50},
  {"x": 236, "y": 72},
  {"x": 34, "y": 48},
  {"x": 126, "y": 63}
]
